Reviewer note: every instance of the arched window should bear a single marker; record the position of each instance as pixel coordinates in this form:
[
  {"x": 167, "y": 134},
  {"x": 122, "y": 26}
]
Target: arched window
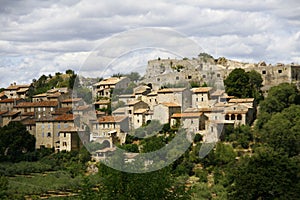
[
  {"x": 239, "y": 117},
  {"x": 226, "y": 117},
  {"x": 232, "y": 117}
]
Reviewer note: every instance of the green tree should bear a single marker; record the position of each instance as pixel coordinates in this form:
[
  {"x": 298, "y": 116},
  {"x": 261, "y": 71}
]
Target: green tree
[
  {"x": 15, "y": 141},
  {"x": 280, "y": 97},
  {"x": 244, "y": 84},
  {"x": 266, "y": 175},
  {"x": 282, "y": 131}
]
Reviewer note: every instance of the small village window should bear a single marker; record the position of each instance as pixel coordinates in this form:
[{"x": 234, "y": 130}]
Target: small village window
[
  {"x": 51, "y": 108},
  {"x": 264, "y": 72},
  {"x": 48, "y": 126},
  {"x": 48, "y": 134},
  {"x": 44, "y": 109},
  {"x": 150, "y": 100},
  {"x": 138, "y": 121},
  {"x": 218, "y": 75},
  {"x": 202, "y": 99},
  {"x": 58, "y": 134},
  {"x": 65, "y": 134},
  {"x": 212, "y": 129},
  {"x": 227, "y": 117},
  {"x": 158, "y": 79},
  {"x": 239, "y": 117},
  {"x": 58, "y": 126},
  {"x": 279, "y": 71},
  {"x": 192, "y": 121},
  {"x": 196, "y": 99},
  {"x": 189, "y": 77},
  {"x": 64, "y": 144},
  {"x": 129, "y": 111},
  {"x": 232, "y": 117},
  {"x": 203, "y": 76},
  {"x": 177, "y": 78}
]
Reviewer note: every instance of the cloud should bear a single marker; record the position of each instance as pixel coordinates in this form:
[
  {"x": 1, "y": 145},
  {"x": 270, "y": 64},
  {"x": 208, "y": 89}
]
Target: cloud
[{"x": 40, "y": 36}]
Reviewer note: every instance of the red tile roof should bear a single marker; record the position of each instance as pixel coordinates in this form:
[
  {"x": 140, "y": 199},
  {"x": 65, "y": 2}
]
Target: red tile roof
[
  {"x": 170, "y": 104},
  {"x": 187, "y": 115},
  {"x": 10, "y": 100},
  {"x": 111, "y": 119},
  {"x": 65, "y": 117}
]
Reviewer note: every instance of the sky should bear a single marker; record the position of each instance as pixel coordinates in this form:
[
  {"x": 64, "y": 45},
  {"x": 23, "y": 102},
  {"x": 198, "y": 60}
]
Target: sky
[{"x": 44, "y": 37}]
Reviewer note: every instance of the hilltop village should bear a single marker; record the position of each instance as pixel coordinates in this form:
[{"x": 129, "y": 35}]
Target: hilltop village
[{"x": 187, "y": 93}]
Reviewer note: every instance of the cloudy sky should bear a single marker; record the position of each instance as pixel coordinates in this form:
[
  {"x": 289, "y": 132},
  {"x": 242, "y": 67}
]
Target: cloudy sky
[{"x": 43, "y": 37}]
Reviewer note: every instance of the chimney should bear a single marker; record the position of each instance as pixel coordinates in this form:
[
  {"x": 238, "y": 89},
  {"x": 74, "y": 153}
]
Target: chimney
[{"x": 15, "y": 83}]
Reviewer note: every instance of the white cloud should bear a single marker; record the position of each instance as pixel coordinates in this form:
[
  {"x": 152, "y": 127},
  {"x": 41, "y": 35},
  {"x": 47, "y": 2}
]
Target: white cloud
[{"x": 41, "y": 36}]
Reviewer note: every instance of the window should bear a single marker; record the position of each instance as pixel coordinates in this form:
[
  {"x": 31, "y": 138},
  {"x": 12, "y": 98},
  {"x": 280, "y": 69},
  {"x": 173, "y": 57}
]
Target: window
[
  {"x": 197, "y": 99},
  {"x": 264, "y": 72},
  {"x": 44, "y": 109},
  {"x": 43, "y": 125},
  {"x": 138, "y": 121},
  {"x": 48, "y": 126},
  {"x": 58, "y": 126},
  {"x": 58, "y": 134},
  {"x": 48, "y": 134},
  {"x": 39, "y": 109},
  {"x": 279, "y": 71},
  {"x": 239, "y": 117},
  {"x": 192, "y": 121},
  {"x": 227, "y": 117},
  {"x": 189, "y": 77},
  {"x": 158, "y": 79},
  {"x": 232, "y": 117},
  {"x": 65, "y": 134},
  {"x": 202, "y": 99},
  {"x": 129, "y": 111},
  {"x": 218, "y": 75},
  {"x": 51, "y": 109},
  {"x": 42, "y": 134},
  {"x": 150, "y": 100},
  {"x": 96, "y": 126},
  {"x": 177, "y": 78},
  {"x": 64, "y": 144},
  {"x": 203, "y": 76}
]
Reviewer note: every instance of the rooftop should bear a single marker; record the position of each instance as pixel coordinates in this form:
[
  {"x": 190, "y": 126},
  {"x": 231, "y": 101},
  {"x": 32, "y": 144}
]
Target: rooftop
[
  {"x": 170, "y": 90},
  {"x": 111, "y": 119},
  {"x": 10, "y": 100},
  {"x": 110, "y": 81},
  {"x": 71, "y": 100},
  {"x": 170, "y": 104},
  {"x": 187, "y": 115},
  {"x": 201, "y": 89}
]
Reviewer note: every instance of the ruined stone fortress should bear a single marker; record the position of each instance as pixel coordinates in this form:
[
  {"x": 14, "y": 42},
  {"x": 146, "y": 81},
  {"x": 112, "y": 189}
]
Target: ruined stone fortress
[{"x": 206, "y": 69}]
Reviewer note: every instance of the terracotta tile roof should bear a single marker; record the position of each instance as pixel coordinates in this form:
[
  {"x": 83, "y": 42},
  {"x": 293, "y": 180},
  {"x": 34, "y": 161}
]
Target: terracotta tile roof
[
  {"x": 28, "y": 114},
  {"x": 111, "y": 119},
  {"x": 187, "y": 115},
  {"x": 3, "y": 112},
  {"x": 170, "y": 90},
  {"x": 110, "y": 81},
  {"x": 16, "y": 87},
  {"x": 102, "y": 102},
  {"x": 71, "y": 100},
  {"x": 133, "y": 102},
  {"x": 243, "y": 100},
  {"x": 24, "y": 105},
  {"x": 154, "y": 93},
  {"x": 21, "y": 90},
  {"x": 60, "y": 111},
  {"x": 235, "y": 111},
  {"x": 201, "y": 89},
  {"x": 127, "y": 96},
  {"x": 12, "y": 113},
  {"x": 170, "y": 104},
  {"x": 40, "y": 95},
  {"x": 2, "y": 94},
  {"x": 10, "y": 100},
  {"x": 140, "y": 89},
  {"x": 46, "y": 104},
  {"x": 65, "y": 117},
  {"x": 28, "y": 122},
  {"x": 54, "y": 95},
  {"x": 140, "y": 111}
]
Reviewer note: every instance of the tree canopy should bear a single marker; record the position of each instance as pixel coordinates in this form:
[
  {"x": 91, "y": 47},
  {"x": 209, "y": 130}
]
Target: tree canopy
[{"x": 244, "y": 84}]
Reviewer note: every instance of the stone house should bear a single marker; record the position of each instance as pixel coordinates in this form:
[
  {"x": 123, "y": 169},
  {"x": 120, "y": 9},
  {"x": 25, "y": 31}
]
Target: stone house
[
  {"x": 8, "y": 104},
  {"x": 2, "y": 95},
  {"x": 104, "y": 87},
  {"x": 163, "y": 111},
  {"x": 193, "y": 122},
  {"x": 102, "y": 104},
  {"x": 126, "y": 97},
  {"x": 151, "y": 99},
  {"x": 17, "y": 91},
  {"x": 110, "y": 128},
  {"x": 72, "y": 138},
  {"x": 72, "y": 102},
  {"x": 180, "y": 96},
  {"x": 9, "y": 116},
  {"x": 48, "y": 129},
  {"x": 133, "y": 106},
  {"x": 201, "y": 97}
]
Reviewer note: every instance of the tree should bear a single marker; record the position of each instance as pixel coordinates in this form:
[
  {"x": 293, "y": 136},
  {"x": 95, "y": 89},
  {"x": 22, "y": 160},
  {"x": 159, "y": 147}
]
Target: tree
[
  {"x": 69, "y": 71},
  {"x": 280, "y": 97},
  {"x": 244, "y": 84},
  {"x": 282, "y": 131},
  {"x": 237, "y": 83},
  {"x": 15, "y": 141},
  {"x": 266, "y": 175}
]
